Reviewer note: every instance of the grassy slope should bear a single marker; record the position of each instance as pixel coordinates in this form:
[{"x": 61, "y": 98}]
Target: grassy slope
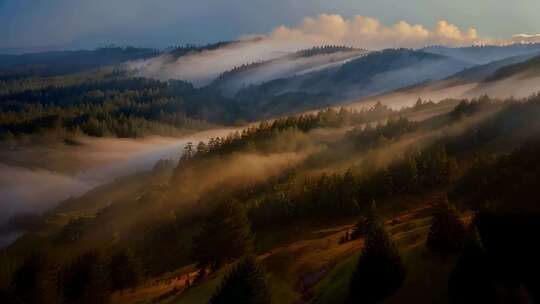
[
  {"x": 124, "y": 188},
  {"x": 315, "y": 268}
]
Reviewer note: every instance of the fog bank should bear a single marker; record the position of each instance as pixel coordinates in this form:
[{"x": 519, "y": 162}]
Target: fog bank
[{"x": 38, "y": 187}]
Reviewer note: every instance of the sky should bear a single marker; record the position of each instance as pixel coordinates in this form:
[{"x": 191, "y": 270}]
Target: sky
[{"x": 56, "y": 24}]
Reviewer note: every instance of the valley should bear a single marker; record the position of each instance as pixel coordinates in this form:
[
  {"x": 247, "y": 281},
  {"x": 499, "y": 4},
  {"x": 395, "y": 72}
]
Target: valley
[{"x": 271, "y": 169}]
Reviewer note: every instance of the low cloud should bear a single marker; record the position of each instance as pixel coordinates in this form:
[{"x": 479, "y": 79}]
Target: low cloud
[
  {"x": 201, "y": 68},
  {"x": 526, "y": 38},
  {"x": 370, "y": 33}
]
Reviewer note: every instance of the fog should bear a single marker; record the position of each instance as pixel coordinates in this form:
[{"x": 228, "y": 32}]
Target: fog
[
  {"x": 284, "y": 67},
  {"x": 518, "y": 86},
  {"x": 200, "y": 68},
  {"x": 31, "y": 186}
]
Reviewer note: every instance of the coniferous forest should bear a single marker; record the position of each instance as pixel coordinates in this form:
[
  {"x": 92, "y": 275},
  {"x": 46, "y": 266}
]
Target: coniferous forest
[
  {"x": 338, "y": 161},
  {"x": 353, "y": 206}
]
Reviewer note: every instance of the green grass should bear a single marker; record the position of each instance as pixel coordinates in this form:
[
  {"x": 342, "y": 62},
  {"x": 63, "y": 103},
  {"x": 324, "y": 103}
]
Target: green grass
[
  {"x": 282, "y": 292},
  {"x": 427, "y": 273},
  {"x": 427, "y": 277},
  {"x": 334, "y": 287}
]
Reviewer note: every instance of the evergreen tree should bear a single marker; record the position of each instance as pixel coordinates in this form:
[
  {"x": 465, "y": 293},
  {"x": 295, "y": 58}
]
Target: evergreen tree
[
  {"x": 244, "y": 284},
  {"x": 124, "y": 270},
  {"x": 471, "y": 279},
  {"x": 35, "y": 281},
  {"x": 7, "y": 297},
  {"x": 447, "y": 231},
  {"x": 379, "y": 272},
  {"x": 226, "y": 235},
  {"x": 85, "y": 281}
]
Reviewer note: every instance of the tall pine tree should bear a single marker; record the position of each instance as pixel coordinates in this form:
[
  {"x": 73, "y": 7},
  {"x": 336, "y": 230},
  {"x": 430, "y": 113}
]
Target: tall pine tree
[
  {"x": 85, "y": 281},
  {"x": 244, "y": 284},
  {"x": 35, "y": 281},
  {"x": 471, "y": 279},
  {"x": 379, "y": 272},
  {"x": 225, "y": 236},
  {"x": 447, "y": 231},
  {"x": 124, "y": 270}
]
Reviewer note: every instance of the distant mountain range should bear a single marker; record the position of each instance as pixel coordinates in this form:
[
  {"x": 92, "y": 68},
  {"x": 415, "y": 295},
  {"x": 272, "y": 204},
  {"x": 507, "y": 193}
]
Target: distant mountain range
[
  {"x": 303, "y": 62},
  {"x": 517, "y": 76},
  {"x": 295, "y": 81},
  {"x": 66, "y": 62},
  {"x": 484, "y": 54}
]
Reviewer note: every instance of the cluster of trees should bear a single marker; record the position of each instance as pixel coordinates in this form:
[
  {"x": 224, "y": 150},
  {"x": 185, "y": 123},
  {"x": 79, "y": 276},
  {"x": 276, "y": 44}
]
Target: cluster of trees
[
  {"x": 226, "y": 228},
  {"x": 89, "y": 278},
  {"x": 244, "y": 284},
  {"x": 181, "y": 50},
  {"x": 338, "y": 195},
  {"x": 324, "y": 49},
  {"x": 495, "y": 261},
  {"x": 470, "y": 107},
  {"x": 367, "y": 137},
  {"x": 506, "y": 124},
  {"x": 123, "y": 107},
  {"x": 447, "y": 231},
  {"x": 318, "y": 50},
  {"x": 379, "y": 272},
  {"x": 226, "y": 237},
  {"x": 254, "y": 135},
  {"x": 470, "y": 281},
  {"x": 508, "y": 182},
  {"x": 226, "y": 219},
  {"x": 238, "y": 70}
]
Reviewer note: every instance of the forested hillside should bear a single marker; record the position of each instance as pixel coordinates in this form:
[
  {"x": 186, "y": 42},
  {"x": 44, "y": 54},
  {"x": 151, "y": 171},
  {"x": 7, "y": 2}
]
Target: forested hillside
[
  {"x": 114, "y": 105},
  {"x": 98, "y": 94},
  {"x": 341, "y": 205}
]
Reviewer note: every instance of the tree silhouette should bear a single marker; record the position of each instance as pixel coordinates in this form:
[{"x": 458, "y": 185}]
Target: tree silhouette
[
  {"x": 225, "y": 236},
  {"x": 447, "y": 231},
  {"x": 244, "y": 284},
  {"x": 124, "y": 270},
  {"x": 379, "y": 272},
  {"x": 471, "y": 279},
  {"x": 85, "y": 280},
  {"x": 35, "y": 280}
]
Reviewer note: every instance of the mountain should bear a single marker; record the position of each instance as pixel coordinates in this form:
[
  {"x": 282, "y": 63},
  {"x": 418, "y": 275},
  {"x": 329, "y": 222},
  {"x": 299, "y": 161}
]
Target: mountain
[
  {"x": 484, "y": 54},
  {"x": 481, "y": 72},
  {"x": 517, "y": 76},
  {"x": 290, "y": 65},
  {"x": 373, "y": 73},
  {"x": 527, "y": 69},
  {"x": 299, "y": 194},
  {"x": 66, "y": 62}
]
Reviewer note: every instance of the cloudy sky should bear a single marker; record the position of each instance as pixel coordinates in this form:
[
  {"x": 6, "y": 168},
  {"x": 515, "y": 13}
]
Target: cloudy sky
[{"x": 53, "y": 24}]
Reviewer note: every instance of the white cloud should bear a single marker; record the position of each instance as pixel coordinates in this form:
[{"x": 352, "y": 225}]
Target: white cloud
[
  {"x": 370, "y": 33},
  {"x": 359, "y": 31},
  {"x": 526, "y": 38}
]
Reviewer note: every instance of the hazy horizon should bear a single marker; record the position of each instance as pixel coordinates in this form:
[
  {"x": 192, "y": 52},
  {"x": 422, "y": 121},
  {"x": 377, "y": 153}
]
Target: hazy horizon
[{"x": 57, "y": 25}]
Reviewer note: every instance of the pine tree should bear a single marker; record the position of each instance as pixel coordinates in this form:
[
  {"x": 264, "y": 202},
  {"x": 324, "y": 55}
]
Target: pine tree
[
  {"x": 244, "y": 284},
  {"x": 379, "y": 272},
  {"x": 471, "y": 279},
  {"x": 447, "y": 231},
  {"x": 85, "y": 280},
  {"x": 35, "y": 281},
  {"x": 226, "y": 235},
  {"x": 7, "y": 297},
  {"x": 124, "y": 270}
]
